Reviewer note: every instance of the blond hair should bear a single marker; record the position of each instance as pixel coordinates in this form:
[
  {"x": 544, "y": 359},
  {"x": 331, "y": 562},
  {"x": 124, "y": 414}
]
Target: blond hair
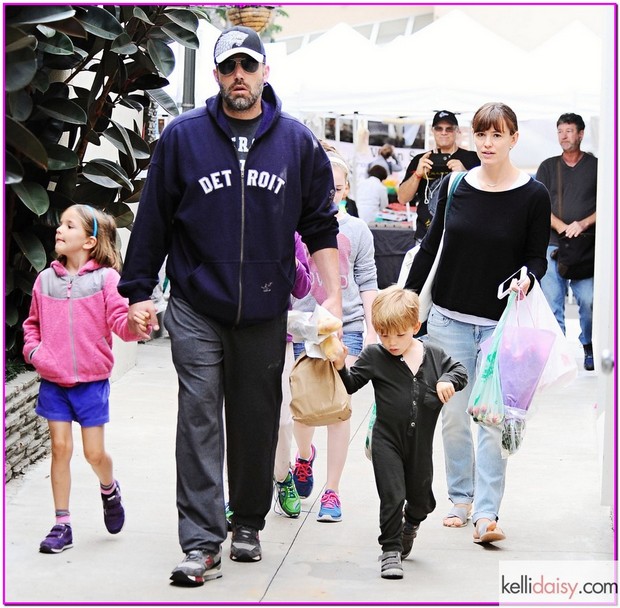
[
  {"x": 394, "y": 310},
  {"x": 102, "y": 227},
  {"x": 335, "y": 158}
]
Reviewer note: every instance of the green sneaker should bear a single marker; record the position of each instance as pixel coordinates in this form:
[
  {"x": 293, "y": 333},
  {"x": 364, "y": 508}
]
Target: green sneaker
[
  {"x": 287, "y": 498},
  {"x": 229, "y": 514}
]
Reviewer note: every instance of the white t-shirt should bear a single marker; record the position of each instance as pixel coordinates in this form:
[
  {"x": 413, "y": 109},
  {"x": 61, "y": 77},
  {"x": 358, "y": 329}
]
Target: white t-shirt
[{"x": 371, "y": 198}]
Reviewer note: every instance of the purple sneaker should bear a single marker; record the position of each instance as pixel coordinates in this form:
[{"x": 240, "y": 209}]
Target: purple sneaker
[
  {"x": 59, "y": 539},
  {"x": 113, "y": 511}
]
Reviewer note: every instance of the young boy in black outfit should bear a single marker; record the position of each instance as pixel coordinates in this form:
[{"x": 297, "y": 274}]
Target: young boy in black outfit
[{"x": 412, "y": 380}]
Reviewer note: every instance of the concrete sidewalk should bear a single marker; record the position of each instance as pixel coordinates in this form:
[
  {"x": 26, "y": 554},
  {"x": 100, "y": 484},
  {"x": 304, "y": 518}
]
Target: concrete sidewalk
[{"x": 550, "y": 511}]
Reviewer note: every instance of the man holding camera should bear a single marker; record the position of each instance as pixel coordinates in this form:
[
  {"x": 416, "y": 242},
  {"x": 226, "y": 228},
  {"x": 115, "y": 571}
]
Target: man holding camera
[{"x": 426, "y": 170}]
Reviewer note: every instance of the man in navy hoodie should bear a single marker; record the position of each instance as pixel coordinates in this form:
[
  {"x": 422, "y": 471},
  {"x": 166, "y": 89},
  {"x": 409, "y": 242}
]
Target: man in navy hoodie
[{"x": 228, "y": 186}]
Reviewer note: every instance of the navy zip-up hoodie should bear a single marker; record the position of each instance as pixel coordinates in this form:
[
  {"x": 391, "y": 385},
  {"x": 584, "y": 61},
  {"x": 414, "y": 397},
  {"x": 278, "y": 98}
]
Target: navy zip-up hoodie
[{"x": 228, "y": 232}]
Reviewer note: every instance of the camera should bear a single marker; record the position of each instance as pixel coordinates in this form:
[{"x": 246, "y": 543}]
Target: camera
[{"x": 440, "y": 166}]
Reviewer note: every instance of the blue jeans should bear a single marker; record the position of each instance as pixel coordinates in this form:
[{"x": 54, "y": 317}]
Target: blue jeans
[
  {"x": 353, "y": 340},
  {"x": 470, "y": 473},
  {"x": 555, "y": 289}
]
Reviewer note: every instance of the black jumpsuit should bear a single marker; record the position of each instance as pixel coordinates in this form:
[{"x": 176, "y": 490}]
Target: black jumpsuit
[{"x": 402, "y": 438}]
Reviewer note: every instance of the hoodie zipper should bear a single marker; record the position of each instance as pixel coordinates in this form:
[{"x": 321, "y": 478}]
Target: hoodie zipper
[
  {"x": 241, "y": 256},
  {"x": 71, "y": 332}
]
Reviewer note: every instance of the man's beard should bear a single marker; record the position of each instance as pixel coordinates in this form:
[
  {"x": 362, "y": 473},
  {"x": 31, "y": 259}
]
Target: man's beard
[{"x": 241, "y": 103}]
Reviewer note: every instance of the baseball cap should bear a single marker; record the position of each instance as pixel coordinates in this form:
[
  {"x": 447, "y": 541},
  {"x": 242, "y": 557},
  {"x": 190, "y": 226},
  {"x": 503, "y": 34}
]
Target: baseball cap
[
  {"x": 237, "y": 40},
  {"x": 445, "y": 116}
]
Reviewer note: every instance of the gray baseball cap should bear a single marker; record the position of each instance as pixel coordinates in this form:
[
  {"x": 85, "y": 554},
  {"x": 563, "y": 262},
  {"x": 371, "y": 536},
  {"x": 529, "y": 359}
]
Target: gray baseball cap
[{"x": 239, "y": 40}]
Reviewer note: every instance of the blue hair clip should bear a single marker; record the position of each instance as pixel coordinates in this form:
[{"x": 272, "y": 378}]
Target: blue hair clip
[{"x": 94, "y": 220}]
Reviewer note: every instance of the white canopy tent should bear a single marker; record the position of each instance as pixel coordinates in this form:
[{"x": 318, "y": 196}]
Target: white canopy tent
[{"x": 454, "y": 63}]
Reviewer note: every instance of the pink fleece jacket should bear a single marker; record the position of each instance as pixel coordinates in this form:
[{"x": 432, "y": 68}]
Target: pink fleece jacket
[{"x": 68, "y": 333}]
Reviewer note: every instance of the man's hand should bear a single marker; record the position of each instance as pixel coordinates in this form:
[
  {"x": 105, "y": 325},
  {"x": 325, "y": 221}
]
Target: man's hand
[
  {"x": 454, "y": 164},
  {"x": 142, "y": 319},
  {"x": 573, "y": 229},
  {"x": 334, "y": 305},
  {"x": 424, "y": 165}
]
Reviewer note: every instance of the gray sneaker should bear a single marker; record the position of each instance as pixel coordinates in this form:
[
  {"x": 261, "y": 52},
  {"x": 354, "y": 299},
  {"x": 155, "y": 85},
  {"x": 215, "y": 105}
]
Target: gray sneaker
[
  {"x": 390, "y": 565},
  {"x": 410, "y": 531},
  {"x": 198, "y": 567},
  {"x": 245, "y": 545}
]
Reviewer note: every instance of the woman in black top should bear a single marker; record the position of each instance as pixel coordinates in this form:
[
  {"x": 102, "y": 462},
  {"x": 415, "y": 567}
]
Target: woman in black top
[{"x": 498, "y": 222}]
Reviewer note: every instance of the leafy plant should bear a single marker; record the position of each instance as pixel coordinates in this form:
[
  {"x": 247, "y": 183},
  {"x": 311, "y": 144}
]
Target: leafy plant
[
  {"x": 67, "y": 69},
  {"x": 218, "y": 16}
]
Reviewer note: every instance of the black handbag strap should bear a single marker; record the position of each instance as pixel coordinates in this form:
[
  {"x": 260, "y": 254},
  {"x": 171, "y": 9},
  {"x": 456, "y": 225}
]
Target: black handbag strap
[{"x": 560, "y": 189}]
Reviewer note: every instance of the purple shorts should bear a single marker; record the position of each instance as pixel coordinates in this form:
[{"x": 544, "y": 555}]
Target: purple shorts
[{"x": 86, "y": 403}]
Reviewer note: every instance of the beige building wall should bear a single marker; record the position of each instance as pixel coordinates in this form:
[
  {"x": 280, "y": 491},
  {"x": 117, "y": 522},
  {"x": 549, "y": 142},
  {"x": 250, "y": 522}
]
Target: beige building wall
[
  {"x": 304, "y": 19},
  {"x": 526, "y": 26}
]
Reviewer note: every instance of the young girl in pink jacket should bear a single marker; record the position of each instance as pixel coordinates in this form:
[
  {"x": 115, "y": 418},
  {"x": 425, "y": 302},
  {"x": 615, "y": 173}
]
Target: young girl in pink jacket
[{"x": 68, "y": 338}]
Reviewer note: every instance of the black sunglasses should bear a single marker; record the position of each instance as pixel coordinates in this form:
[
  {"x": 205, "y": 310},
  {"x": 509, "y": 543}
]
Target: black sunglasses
[{"x": 228, "y": 66}]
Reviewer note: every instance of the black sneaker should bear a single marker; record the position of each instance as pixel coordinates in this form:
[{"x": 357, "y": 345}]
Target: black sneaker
[
  {"x": 198, "y": 567},
  {"x": 245, "y": 545},
  {"x": 588, "y": 359},
  {"x": 113, "y": 511},
  {"x": 410, "y": 531}
]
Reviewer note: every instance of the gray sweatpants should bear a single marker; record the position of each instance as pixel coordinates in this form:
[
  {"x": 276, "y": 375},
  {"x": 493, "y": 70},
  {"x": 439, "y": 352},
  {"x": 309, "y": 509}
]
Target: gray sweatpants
[{"x": 243, "y": 367}]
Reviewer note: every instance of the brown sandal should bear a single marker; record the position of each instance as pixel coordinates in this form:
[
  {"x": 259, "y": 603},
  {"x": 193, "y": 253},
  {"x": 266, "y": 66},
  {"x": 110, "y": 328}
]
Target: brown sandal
[{"x": 486, "y": 531}]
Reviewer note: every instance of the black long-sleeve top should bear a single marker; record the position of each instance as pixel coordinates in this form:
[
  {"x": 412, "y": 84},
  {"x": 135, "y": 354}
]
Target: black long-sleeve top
[
  {"x": 398, "y": 392},
  {"x": 488, "y": 237}
]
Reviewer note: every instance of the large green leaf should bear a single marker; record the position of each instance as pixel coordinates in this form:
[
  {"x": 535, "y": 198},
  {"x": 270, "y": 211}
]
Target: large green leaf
[
  {"x": 160, "y": 97},
  {"x": 140, "y": 14},
  {"x": 16, "y": 39},
  {"x": 186, "y": 19},
  {"x": 41, "y": 81},
  {"x": 122, "y": 213},
  {"x": 106, "y": 174},
  {"x": 8, "y": 281},
  {"x": 63, "y": 109},
  {"x": 25, "y": 142},
  {"x": 11, "y": 317},
  {"x": 37, "y": 14},
  {"x": 25, "y": 282},
  {"x": 13, "y": 170},
  {"x": 20, "y": 105},
  {"x": 181, "y": 35},
  {"x": 33, "y": 195},
  {"x": 146, "y": 82},
  {"x": 32, "y": 248},
  {"x": 21, "y": 66},
  {"x": 123, "y": 45},
  {"x": 61, "y": 158},
  {"x": 118, "y": 136},
  {"x": 58, "y": 44},
  {"x": 135, "y": 197},
  {"x": 72, "y": 27},
  {"x": 139, "y": 147},
  {"x": 162, "y": 56},
  {"x": 131, "y": 102},
  {"x": 99, "y": 22},
  {"x": 94, "y": 194}
]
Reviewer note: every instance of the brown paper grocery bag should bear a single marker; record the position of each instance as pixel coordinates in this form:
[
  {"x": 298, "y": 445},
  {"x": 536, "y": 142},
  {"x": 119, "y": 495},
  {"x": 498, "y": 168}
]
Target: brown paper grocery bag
[{"x": 318, "y": 396}]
